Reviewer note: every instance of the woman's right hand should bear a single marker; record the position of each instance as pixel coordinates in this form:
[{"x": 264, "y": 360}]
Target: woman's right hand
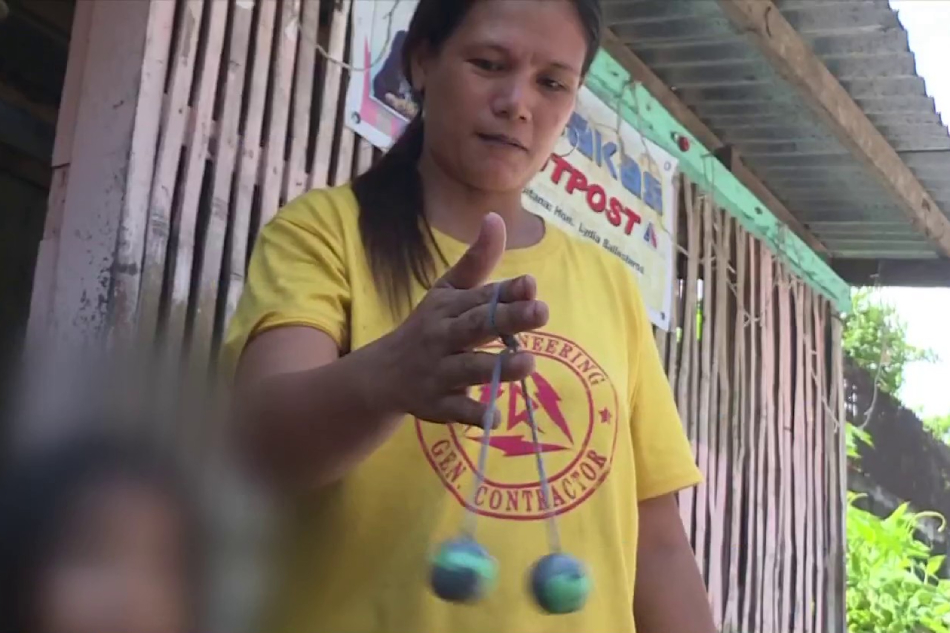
[{"x": 430, "y": 361}]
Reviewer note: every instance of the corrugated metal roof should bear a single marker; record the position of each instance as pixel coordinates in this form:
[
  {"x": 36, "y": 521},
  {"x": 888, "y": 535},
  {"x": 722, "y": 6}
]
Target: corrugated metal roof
[{"x": 730, "y": 85}]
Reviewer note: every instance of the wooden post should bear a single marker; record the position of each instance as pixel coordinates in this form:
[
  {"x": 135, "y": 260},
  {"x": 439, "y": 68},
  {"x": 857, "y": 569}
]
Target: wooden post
[
  {"x": 96, "y": 171},
  {"x": 101, "y": 157}
]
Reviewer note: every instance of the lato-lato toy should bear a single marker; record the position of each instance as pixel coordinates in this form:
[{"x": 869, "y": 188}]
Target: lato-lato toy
[{"x": 462, "y": 569}]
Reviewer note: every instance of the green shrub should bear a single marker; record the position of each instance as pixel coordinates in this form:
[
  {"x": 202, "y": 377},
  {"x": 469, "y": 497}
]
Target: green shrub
[{"x": 892, "y": 585}]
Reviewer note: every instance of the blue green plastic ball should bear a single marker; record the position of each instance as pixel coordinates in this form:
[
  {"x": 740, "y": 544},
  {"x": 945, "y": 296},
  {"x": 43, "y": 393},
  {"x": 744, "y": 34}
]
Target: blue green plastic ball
[
  {"x": 462, "y": 571},
  {"x": 560, "y": 584}
]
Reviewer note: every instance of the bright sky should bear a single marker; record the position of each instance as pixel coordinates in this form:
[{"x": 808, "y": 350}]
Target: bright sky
[{"x": 927, "y": 312}]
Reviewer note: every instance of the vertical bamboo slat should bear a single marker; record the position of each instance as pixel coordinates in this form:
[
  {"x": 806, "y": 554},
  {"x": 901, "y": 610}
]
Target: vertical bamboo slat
[
  {"x": 737, "y": 432},
  {"x": 364, "y": 154},
  {"x": 320, "y": 172},
  {"x": 684, "y": 190},
  {"x": 719, "y": 422},
  {"x": 769, "y": 621},
  {"x": 273, "y": 165},
  {"x": 192, "y": 176},
  {"x": 798, "y": 459},
  {"x": 812, "y": 517},
  {"x": 705, "y": 388},
  {"x": 818, "y": 474},
  {"x": 838, "y": 492},
  {"x": 344, "y": 166},
  {"x": 730, "y": 479},
  {"x": 167, "y": 168},
  {"x": 752, "y": 611},
  {"x": 688, "y": 347},
  {"x": 246, "y": 176},
  {"x": 141, "y": 168},
  {"x": 786, "y": 463},
  {"x": 663, "y": 336},
  {"x": 296, "y": 172},
  {"x": 225, "y": 160}
]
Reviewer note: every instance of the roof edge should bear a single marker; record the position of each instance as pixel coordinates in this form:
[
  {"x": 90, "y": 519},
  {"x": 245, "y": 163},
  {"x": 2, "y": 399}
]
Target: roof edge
[{"x": 613, "y": 83}]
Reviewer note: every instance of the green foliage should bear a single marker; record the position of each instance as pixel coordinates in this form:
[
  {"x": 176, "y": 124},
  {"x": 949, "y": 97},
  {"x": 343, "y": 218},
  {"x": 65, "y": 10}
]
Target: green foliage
[
  {"x": 854, "y": 436},
  {"x": 875, "y": 335},
  {"x": 939, "y": 427},
  {"x": 892, "y": 583}
]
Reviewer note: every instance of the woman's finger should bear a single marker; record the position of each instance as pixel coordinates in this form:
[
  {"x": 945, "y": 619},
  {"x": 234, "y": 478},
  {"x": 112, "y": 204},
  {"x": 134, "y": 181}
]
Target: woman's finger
[
  {"x": 522, "y": 288},
  {"x": 481, "y": 257},
  {"x": 460, "y": 371},
  {"x": 475, "y": 327},
  {"x": 464, "y": 410}
]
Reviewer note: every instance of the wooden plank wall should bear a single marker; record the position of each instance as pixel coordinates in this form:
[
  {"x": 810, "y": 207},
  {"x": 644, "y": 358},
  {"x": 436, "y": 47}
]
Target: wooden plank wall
[
  {"x": 750, "y": 356},
  {"x": 250, "y": 116}
]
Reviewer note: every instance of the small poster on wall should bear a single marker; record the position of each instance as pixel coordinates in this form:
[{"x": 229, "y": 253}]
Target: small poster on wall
[
  {"x": 379, "y": 103},
  {"x": 604, "y": 183}
]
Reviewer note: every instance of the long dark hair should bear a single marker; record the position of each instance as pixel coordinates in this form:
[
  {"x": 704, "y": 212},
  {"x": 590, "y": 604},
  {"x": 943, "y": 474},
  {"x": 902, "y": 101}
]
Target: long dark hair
[
  {"x": 36, "y": 492},
  {"x": 393, "y": 225}
]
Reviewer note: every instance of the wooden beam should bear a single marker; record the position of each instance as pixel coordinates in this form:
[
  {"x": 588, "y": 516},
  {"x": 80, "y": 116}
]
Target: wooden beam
[
  {"x": 16, "y": 98},
  {"x": 54, "y": 16},
  {"x": 25, "y": 167},
  {"x": 911, "y": 273},
  {"x": 25, "y": 133},
  {"x": 642, "y": 73},
  {"x": 794, "y": 60}
]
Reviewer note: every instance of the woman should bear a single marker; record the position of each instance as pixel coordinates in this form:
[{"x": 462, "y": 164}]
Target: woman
[
  {"x": 362, "y": 356},
  {"x": 96, "y": 536}
]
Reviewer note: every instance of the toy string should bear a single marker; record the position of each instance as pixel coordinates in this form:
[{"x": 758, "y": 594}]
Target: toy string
[{"x": 511, "y": 346}]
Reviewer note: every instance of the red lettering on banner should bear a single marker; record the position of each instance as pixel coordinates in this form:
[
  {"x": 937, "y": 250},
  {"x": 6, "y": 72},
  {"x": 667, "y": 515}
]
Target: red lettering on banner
[
  {"x": 560, "y": 166},
  {"x": 577, "y": 181},
  {"x": 595, "y": 195},
  {"x": 596, "y": 198}
]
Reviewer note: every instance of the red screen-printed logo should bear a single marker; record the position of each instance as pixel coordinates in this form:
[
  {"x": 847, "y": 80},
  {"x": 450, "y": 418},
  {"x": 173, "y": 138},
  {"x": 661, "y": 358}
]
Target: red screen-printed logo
[{"x": 574, "y": 406}]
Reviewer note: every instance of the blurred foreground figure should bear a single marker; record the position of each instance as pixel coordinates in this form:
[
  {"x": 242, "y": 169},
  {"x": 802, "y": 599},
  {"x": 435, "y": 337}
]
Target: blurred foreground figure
[{"x": 96, "y": 536}]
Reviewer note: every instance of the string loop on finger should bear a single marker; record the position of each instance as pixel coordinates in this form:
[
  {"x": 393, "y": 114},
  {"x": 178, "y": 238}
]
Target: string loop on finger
[
  {"x": 511, "y": 347},
  {"x": 511, "y": 343},
  {"x": 493, "y": 308}
]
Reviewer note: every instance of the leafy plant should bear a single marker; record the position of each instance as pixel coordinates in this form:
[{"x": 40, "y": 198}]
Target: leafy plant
[
  {"x": 854, "y": 436},
  {"x": 892, "y": 584},
  {"x": 876, "y": 339},
  {"x": 939, "y": 427}
]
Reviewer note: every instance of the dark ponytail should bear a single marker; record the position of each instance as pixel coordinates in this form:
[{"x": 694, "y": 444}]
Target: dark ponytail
[{"x": 393, "y": 225}]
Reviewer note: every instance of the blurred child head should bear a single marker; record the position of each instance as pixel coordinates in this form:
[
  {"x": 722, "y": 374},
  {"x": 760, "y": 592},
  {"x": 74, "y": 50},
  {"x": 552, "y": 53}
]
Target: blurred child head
[{"x": 96, "y": 536}]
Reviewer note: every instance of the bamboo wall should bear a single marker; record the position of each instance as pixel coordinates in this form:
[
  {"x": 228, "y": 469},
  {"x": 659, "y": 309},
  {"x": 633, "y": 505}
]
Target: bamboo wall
[
  {"x": 754, "y": 360},
  {"x": 235, "y": 110}
]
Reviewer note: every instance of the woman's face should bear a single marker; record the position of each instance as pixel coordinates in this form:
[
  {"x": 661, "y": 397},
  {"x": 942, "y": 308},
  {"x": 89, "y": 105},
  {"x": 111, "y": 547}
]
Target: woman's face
[
  {"x": 119, "y": 566},
  {"x": 500, "y": 91}
]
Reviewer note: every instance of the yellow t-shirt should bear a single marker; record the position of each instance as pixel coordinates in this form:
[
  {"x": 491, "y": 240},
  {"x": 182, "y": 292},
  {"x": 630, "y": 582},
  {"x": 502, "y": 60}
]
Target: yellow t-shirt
[{"x": 356, "y": 556}]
